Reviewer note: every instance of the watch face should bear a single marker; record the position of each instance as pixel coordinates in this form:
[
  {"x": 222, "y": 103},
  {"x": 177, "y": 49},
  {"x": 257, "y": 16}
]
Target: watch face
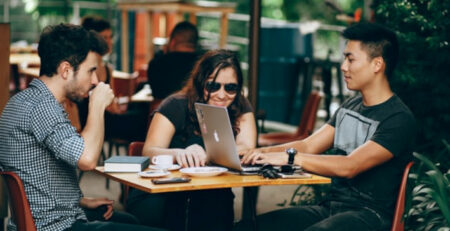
[{"x": 291, "y": 151}]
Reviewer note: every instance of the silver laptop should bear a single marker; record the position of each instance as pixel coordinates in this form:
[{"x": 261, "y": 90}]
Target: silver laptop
[{"x": 218, "y": 137}]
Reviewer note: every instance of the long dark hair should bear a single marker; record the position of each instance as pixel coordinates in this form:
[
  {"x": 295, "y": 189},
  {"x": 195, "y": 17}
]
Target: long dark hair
[{"x": 210, "y": 63}]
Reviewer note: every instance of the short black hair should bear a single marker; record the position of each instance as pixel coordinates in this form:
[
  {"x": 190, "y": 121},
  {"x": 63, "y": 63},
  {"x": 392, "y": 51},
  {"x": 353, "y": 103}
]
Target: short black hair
[
  {"x": 377, "y": 41},
  {"x": 67, "y": 42},
  {"x": 95, "y": 23},
  {"x": 63, "y": 42},
  {"x": 98, "y": 43},
  {"x": 185, "y": 32}
]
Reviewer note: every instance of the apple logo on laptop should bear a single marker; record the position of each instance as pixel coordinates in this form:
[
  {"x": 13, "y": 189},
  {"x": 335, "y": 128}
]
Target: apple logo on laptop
[{"x": 216, "y": 136}]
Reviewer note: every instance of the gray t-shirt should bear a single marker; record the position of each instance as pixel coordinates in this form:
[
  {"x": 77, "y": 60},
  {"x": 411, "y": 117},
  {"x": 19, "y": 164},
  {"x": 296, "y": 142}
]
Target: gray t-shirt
[{"x": 389, "y": 124}]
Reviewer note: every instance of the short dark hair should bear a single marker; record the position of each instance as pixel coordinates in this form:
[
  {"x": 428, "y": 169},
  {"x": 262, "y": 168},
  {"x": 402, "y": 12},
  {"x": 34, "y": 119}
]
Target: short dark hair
[
  {"x": 98, "y": 43},
  {"x": 63, "y": 42},
  {"x": 185, "y": 32},
  {"x": 377, "y": 41},
  {"x": 66, "y": 42},
  {"x": 95, "y": 23}
]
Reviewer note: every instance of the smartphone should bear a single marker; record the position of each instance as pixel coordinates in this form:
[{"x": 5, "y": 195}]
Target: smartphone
[
  {"x": 171, "y": 180},
  {"x": 295, "y": 175}
]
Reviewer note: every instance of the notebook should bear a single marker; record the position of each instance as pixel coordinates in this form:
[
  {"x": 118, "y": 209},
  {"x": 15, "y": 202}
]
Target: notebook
[{"x": 218, "y": 138}]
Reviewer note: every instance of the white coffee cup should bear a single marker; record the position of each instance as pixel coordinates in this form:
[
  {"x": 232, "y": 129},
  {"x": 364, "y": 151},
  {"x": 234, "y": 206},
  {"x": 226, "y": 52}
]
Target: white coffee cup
[{"x": 163, "y": 161}]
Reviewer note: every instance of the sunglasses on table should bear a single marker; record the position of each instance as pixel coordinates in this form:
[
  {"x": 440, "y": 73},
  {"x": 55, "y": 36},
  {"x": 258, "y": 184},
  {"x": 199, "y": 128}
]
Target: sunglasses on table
[{"x": 230, "y": 88}]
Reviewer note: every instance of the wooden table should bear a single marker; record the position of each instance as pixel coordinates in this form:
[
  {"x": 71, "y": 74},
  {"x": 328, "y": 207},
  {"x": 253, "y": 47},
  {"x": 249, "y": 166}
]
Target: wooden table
[
  {"x": 177, "y": 6},
  {"x": 227, "y": 180},
  {"x": 28, "y": 58}
]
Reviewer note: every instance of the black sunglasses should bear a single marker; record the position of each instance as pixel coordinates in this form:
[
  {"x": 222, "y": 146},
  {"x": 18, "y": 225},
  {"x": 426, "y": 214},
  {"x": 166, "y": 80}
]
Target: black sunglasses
[{"x": 230, "y": 88}]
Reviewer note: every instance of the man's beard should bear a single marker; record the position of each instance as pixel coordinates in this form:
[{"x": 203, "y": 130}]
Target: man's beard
[
  {"x": 74, "y": 97},
  {"x": 73, "y": 91}
]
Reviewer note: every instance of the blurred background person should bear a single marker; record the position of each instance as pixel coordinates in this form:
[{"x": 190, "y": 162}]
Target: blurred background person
[{"x": 168, "y": 72}]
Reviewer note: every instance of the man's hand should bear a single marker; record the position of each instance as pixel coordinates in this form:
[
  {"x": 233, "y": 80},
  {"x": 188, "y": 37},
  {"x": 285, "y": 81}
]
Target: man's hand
[
  {"x": 93, "y": 203},
  {"x": 102, "y": 96},
  {"x": 192, "y": 156},
  {"x": 273, "y": 158},
  {"x": 246, "y": 154}
]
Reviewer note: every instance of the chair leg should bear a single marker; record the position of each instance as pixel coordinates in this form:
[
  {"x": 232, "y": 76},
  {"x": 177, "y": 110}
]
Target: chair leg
[
  {"x": 117, "y": 149},
  {"x": 110, "y": 148},
  {"x": 103, "y": 156},
  {"x": 110, "y": 145}
]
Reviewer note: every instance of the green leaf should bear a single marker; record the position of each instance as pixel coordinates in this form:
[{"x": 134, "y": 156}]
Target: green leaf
[{"x": 445, "y": 207}]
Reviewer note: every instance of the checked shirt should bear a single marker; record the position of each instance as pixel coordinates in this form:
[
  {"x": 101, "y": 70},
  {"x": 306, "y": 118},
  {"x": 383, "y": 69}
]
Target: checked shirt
[{"x": 39, "y": 143}]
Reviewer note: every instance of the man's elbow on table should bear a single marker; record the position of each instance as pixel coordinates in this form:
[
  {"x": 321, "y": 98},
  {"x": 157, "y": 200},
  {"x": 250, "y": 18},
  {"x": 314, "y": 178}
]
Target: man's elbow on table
[{"x": 86, "y": 163}]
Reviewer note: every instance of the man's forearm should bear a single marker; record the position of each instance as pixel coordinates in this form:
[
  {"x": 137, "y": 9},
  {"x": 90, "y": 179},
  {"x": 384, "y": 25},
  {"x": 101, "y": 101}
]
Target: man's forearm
[
  {"x": 299, "y": 145},
  {"x": 93, "y": 135}
]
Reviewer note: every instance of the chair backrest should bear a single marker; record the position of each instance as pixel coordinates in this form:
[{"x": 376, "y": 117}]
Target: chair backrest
[
  {"x": 135, "y": 148},
  {"x": 397, "y": 222},
  {"x": 309, "y": 114},
  {"x": 21, "y": 212}
]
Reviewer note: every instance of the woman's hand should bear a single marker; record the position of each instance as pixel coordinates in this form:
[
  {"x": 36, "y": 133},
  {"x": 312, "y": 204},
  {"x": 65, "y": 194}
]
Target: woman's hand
[
  {"x": 192, "y": 156},
  {"x": 93, "y": 203}
]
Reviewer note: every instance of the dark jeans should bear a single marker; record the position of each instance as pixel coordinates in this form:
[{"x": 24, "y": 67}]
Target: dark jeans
[
  {"x": 328, "y": 216},
  {"x": 119, "y": 221},
  {"x": 204, "y": 209}
]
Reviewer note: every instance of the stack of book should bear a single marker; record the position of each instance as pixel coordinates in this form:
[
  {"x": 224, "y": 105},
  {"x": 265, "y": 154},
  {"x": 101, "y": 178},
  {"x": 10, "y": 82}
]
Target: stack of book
[{"x": 126, "y": 163}]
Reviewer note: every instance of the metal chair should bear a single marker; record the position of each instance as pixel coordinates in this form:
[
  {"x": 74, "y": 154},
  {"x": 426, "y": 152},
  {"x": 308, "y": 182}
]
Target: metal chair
[
  {"x": 21, "y": 212},
  {"x": 398, "y": 222},
  {"x": 305, "y": 127}
]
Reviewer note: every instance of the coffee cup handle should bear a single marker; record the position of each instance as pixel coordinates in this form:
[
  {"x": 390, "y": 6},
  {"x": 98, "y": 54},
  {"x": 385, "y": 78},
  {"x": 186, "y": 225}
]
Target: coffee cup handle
[{"x": 154, "y": 160}]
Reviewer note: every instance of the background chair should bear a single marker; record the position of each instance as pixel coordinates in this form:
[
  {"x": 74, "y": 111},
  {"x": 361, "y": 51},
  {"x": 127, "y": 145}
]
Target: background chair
[
  {"x": 21, "y": 212},
  {"x": 305, "y": 127},
  {"x": 134, "y": 149},
  {"x": 123, "y": 127},
  {"x": 123, "y": 85},
  {"x": 398, "y": 222}
]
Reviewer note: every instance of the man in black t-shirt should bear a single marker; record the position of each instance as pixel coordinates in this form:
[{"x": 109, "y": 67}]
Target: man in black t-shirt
[
  {"x": 168, "y": 72},
  {"x": 371, "y": 134}
]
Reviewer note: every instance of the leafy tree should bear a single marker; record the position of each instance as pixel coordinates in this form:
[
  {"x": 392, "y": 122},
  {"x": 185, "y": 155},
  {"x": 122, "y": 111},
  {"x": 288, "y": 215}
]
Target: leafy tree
[{"x": 422, "y": 79}]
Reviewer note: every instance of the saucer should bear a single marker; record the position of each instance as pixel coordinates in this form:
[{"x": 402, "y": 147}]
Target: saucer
[
  {"x": 154, "y": 173},
  {"x": 203, "y": 171},
  {"x": 171, "y": 168}
]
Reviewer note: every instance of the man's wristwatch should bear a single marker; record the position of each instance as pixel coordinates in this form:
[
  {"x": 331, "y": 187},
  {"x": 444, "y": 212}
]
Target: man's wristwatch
[{"x": 291, "y": 152}]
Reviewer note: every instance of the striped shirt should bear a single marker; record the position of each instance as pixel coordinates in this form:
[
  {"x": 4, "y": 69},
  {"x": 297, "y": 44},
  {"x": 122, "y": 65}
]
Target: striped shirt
[{"x": 39, "y": 143}]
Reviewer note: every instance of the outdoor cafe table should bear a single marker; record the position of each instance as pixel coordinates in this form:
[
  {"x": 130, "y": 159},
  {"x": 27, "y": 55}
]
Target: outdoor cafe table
[{"x": 226, "y": 180}]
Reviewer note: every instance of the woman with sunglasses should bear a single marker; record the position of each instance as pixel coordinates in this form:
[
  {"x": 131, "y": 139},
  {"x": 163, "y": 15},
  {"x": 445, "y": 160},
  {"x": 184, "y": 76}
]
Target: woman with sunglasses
[{"x": 216, "y": 80}]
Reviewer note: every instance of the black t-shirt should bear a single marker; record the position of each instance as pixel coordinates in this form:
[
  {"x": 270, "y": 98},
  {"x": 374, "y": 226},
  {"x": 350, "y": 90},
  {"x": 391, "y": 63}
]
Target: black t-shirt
[
  {"x": 175, "y": 109},
  {"x": 168, "y": 73},
  {"x": 389, "y": 124}
]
